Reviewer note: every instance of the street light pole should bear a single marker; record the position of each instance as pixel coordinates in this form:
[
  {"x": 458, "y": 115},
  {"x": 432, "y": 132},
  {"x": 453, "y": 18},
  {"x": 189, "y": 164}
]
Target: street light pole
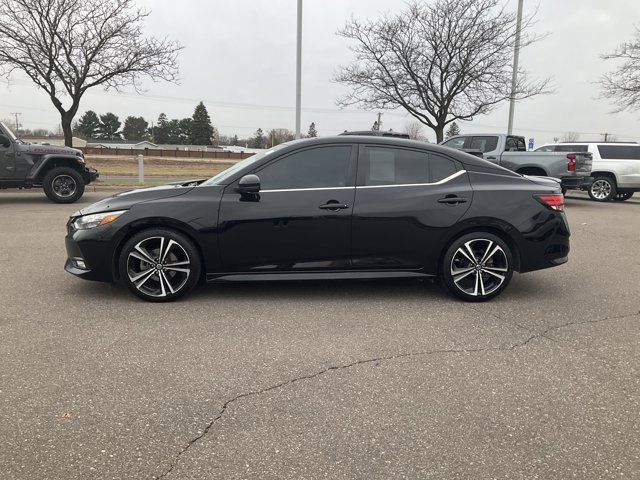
[
  {"x": 514, "y": 75},
  {"x": 299, "y": 69}
]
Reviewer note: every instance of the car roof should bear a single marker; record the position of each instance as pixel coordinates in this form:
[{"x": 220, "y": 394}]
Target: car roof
[{"x": 459, "y": 155}]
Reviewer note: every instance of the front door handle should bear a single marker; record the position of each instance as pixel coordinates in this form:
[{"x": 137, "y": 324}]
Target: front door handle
[
  {"x": 492, "y": 157},
  {"x": 452, "y": 200},
  {"x": 333, "y": 205}
]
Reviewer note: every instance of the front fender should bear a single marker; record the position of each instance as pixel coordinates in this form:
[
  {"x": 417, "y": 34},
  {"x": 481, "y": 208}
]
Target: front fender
[{"x": 42, "y": 165}]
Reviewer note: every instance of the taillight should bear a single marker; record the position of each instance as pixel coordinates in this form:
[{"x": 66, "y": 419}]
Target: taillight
[
  {"x": 554, "y": 201},
  {"x": 571, "y": 166}
]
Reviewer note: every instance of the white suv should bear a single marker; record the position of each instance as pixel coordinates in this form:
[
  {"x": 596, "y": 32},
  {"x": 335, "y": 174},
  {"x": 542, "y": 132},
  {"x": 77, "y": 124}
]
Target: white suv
[{"x": 615, "y": 169}]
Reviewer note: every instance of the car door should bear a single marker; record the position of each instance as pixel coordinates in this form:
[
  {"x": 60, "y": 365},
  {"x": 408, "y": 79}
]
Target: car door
[
  {"x": 405, "y": 201},
  {"x": 300, "y": 220},
  {"x": 624, "y": 161},
  {"x": 7, "y": 161}
]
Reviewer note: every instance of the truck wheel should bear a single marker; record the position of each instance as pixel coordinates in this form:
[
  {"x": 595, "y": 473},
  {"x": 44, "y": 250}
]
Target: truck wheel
[
  {"x": 622, "y": 196},
  {"x": 63, "y": 185},
  {"x": 602, "y": 189}
]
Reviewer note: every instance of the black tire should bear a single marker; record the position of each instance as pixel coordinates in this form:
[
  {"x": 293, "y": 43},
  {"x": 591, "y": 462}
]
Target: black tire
[
  {"x": 602, "y": 189},
  {"x": 156, "y": 281},
  {"x": 622, "y": 196},
  {"x": 474, "y": 278},
  {"x": 63, "y": 185}
]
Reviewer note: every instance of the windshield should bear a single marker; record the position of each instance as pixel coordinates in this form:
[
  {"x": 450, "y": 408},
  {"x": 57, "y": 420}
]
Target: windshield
[
  {"x": 9, "y": 132},
  {"x": 223, "y": 176}
]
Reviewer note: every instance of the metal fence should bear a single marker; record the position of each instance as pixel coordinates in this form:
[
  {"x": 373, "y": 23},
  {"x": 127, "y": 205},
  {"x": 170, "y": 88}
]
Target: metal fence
[{"x": 132, "y": 152}]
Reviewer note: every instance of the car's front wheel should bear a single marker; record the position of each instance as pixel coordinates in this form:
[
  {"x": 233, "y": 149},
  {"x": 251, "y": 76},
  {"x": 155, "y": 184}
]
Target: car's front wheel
[
  {"x": 160, "y": 265},
  {"x": 602, "y": 189},
  {"x": 63, "y": 185},
  {"x": 477, "y": 266}
]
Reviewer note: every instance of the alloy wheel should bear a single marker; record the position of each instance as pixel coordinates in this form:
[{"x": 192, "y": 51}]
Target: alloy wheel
[
  {"x": 64, "y": 185},
  {"x": 158, "y": 266},
  {"x": 479, "y": 267},
  {"x": 601, "y": 189}
]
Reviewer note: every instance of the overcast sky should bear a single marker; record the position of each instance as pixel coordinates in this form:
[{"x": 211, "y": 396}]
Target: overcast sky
[{"x": 239, "y": 57}]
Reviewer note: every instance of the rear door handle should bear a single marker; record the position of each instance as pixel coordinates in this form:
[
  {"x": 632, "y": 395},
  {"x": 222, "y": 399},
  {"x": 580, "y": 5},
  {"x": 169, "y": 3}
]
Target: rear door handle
[
  {"x": 333, "y": 205},
  {"x": 452, "y": 200}
]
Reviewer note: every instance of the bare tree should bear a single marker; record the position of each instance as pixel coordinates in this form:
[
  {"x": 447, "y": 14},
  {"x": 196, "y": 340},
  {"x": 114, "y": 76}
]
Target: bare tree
[
  {"x": 441, "y": 61},
  {"x": 414, "y": 130},
  {"x": 622, "y": 86},
  {"x": 570, "y": 137},
  {"x": 67, "y": 47}
]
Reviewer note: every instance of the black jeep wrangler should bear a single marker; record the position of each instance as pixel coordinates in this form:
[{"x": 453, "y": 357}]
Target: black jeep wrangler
[{"x": 60, "y": 171}]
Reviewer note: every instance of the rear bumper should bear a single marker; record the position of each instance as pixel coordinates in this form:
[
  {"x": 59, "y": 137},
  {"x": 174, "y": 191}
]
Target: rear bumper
[
  {"x": 547, "y": 245},
  {"x": 575, "y": 182}
]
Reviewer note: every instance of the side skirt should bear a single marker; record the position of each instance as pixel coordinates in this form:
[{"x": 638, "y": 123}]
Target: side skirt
[{"x": 337, "y": 275}]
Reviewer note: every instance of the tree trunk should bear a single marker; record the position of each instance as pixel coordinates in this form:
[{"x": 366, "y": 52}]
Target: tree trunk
[
  {"x": 66, "y": 128},
  {"x": 439, "y": 133}
]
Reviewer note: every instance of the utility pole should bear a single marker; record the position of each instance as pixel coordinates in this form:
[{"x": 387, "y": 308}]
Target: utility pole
[
  {"x": 514, "y": 74},
  {"x": 17, "y": 114},
  {"x": 606, "y": 136},
  {"x": 299, "y": 69}
]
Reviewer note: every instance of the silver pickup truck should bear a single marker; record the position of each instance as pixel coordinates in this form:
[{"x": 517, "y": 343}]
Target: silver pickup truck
[{"x": 573, "y": 169}]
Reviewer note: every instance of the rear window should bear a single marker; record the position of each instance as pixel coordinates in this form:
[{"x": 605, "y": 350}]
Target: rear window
[
  {"x": 619, "y": 152},
  {"x": 572, "y": 148},
  {"x": 484, "y": 144}
]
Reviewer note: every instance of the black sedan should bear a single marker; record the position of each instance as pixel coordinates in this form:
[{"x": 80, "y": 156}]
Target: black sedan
[{"x": 342, "y": 207}]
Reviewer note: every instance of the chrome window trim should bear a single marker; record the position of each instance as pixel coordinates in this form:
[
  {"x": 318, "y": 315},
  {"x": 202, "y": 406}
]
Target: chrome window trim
[
  {"x": 444, "y": 180},
  {"x": 307, "y": 189}
]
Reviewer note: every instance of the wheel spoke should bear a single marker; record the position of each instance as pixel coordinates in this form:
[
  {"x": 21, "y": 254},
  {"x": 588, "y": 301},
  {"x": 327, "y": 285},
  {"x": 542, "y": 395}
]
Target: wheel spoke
[
  {"x": 472, "y": 256},
  {"x": 166, "y": 280},
  {"x": 161, "y": 249},
  {"x": 501, "y": 277},
  {"x": 171, "y": 243},
  {"x": 177, "y": 264},
  {"x": 487, "y": 256},
  {"x": 162, "y": 289},
  {"x": 486, "y": 252},
  {"x": 149, "y": 273},
  {"x": 481, "y": 283},
  {"x": 460, "y": 274},
  {"x": 148, "y": 258},
  {"x": 475, "y": 288},
  {"x": 175, "y": 269}
]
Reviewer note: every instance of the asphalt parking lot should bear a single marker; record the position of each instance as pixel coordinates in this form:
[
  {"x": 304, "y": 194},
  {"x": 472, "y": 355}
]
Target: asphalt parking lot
[{"x": 388, "y": 379}]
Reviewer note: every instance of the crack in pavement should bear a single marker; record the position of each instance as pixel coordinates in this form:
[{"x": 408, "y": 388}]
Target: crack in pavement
[{"x": 333, "y": 368}]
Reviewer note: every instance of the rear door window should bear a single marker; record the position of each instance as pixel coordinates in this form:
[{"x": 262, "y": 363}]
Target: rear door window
[
  {"x": 394, "y": 166},
  {"x": 619, "y": 152},
  {"x": 457, "y": 143},
  {"x": 515, "y": 144},
  {"x": 484, "y": 143}
]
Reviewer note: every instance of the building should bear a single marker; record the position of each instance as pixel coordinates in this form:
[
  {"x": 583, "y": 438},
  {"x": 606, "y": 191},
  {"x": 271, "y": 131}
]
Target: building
[{"x": 57, "y": 140}]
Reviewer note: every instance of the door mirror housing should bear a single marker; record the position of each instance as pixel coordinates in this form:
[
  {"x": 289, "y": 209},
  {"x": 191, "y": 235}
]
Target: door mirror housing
[
  {"x": 4, "y": 141},
  {"x": 249, "y": 184}
]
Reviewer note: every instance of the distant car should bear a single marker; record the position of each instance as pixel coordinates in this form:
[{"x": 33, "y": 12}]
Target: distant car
[
  {"x": 573, "y": 169},
  {"x": 60, "y": 171},
  {"x": 615, "y": 169},
  {"x": 334, "y": 207}
]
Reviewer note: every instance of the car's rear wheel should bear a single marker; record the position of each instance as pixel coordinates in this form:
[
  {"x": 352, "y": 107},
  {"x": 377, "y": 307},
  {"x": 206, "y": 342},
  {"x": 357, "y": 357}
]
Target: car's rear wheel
[
  {"x": 602, "y": 189},
  {"x": 477, "y": 266},
  {"x": 622, "y": 196},
  {"x": 160, "y": 265},
  {"x": 63, "y": 185}
]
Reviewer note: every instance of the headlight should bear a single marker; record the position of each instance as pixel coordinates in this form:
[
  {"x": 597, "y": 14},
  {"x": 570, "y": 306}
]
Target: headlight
[{"x": 95, "y": 220}]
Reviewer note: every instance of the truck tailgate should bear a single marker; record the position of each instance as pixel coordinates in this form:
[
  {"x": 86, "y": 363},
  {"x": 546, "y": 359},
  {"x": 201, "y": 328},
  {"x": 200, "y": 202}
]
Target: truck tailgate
[{"x": 584, "y": 161}]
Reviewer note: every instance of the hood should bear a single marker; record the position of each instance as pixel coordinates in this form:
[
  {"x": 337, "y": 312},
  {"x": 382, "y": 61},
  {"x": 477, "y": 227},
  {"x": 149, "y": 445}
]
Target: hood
[
  {"x": 125, "y": 200},
  {"x": 37, "y": 149}
]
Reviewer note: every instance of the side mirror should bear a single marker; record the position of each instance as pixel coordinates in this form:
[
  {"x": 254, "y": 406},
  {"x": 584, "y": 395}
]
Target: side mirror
[
  {"x": 249, "y": 184},
  {"x": 4, "y": 141}
]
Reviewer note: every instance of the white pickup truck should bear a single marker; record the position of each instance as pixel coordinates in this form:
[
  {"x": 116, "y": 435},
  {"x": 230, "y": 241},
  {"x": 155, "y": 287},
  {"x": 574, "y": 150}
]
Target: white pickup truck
[{"x": 573, "y": 169}]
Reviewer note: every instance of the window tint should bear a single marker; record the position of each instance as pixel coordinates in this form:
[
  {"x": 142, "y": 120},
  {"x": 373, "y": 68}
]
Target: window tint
[
  {"x": 619, "y": 152},
  {"x": 441, "y": 167},
  {"x": 572, "y": 148},
  {"x": 391, "y": 166},
  {"x": 457, "y": 143},
  {"x": 515, "y": 144},
  {"x": 484, "y": 144},
  {"x": 313, "y": 168}
]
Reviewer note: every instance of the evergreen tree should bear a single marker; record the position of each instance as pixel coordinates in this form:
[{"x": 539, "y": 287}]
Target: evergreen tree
[
  {"x": 135, "y": 128},
  {"x": 258, "y": 140},
  {"x": 453, "y": 130},
  {"x": 375, "y": 127},
  {"x": 312, "y": 130},
  {"x": 88, "y": 125},
  {"x": 185, "y": 130},
  {"x": 109, "y": 127},
  {"x": 201, "y": 128},
  {"x": 234, "y": 140},
  {"x": 161, "y": 130},
  {"x": 174, "y": 132}
]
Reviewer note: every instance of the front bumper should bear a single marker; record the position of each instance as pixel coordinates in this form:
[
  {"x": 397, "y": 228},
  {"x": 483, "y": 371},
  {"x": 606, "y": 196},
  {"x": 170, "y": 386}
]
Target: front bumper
[
  {"x": 90, "y": 253},
  {"x": 90, "y": 175}
]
